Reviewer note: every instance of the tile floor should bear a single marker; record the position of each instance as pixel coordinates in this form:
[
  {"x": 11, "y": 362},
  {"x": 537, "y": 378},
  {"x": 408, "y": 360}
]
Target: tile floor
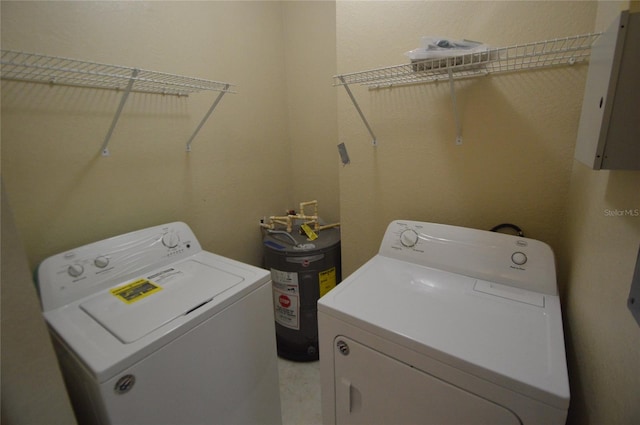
[{"x": 300, "y": 392}]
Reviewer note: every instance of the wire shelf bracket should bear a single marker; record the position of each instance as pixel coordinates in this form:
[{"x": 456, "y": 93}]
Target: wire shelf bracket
[
  {"x": 207, "y": 115},
  {"x": 105, "y": 149},
  {"x": 530, "y": 56},
  {"x": 455, "y": 109},
  {"x": 37, "y": 68},
  {"x": 374, "y": 140}
]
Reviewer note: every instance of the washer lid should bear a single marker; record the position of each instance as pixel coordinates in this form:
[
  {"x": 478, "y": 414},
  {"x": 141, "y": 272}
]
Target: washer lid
[
  {"x": 506, "y": 335},
  {"x": 135, "y": 308}
]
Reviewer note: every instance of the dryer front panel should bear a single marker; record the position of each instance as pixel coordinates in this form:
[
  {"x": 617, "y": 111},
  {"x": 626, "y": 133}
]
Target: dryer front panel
[{"x": 373, "y": 388}]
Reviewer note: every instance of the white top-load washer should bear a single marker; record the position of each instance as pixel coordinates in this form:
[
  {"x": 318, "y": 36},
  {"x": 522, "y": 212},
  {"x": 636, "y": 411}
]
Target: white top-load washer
[
  {"x": 151, "y": 329},
  {"x": 445, "y": 325}
]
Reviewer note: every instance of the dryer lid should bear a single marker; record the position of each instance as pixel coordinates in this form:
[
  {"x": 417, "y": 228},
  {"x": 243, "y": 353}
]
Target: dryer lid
[{"x": 135, "y": 308}]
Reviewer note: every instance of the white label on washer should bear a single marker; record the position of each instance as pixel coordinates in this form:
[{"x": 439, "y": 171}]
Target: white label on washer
[
  {"x": 286, "y": 298},
  {"x": 165, "y": 276}
]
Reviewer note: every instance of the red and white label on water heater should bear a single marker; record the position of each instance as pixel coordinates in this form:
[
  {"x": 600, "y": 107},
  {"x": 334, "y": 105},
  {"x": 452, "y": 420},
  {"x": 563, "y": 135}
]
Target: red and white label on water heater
[{"x": 286, "y": 298}]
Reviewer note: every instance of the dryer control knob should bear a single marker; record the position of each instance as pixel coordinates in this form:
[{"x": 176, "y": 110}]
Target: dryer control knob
[
  {"x": 101, "y": 262},
  {"x": 519, "y": 258},
  {"x": 75, "y": 270},
  {"x": 409, "y": 238},
  {"x": 170, "y": 240}
]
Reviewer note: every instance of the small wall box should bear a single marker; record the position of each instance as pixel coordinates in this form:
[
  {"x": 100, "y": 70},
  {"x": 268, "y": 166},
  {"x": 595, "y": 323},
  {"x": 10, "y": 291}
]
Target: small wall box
[{"x": 609, "y": 131}]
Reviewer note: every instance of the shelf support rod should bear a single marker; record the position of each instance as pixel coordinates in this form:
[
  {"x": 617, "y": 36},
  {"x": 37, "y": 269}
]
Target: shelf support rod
[
  {"x": 374, "y": 141},
  {"x": 455, "y": 109},
  {"x": 207, "y": 115},
  {"x": 104, "y": 149}
]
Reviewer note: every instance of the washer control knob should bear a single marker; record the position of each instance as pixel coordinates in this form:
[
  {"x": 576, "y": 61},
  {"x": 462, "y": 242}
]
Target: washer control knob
[
  {"x": 170, "y": 240},
  {"x": 519, "y": 258},
  {"x": 75, "y": 270},
  {"x": 409, "y": 238},
  {"x": 101, "y": 261}
]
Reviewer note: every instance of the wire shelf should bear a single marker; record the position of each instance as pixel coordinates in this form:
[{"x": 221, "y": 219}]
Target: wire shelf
[
  {"x": 542, "y": 54},
  {"x": 36, "y": 68}
]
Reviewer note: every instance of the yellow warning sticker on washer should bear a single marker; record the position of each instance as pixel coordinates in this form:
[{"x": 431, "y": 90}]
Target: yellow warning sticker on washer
[
  {"x": 136, "y": 290},
  {"x": 327, "y": 280}
]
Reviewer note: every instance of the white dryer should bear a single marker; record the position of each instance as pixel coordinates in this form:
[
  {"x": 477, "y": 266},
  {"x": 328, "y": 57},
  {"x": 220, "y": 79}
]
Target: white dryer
[
  {"x": 151, "y": 329},
  {"x": 445, "y": 325}
]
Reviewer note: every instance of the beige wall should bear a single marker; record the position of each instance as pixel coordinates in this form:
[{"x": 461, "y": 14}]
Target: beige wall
[
  {"x": 596, "y": 262},
  {"x": 518, "y": 129},
  {"x": 33, "y": 392},
  {"x": 278, "y": 134},
  {"x": 241, "y": 168},
  {"x": 310, "y": 63},
  {"x": 516, "y": 164}
]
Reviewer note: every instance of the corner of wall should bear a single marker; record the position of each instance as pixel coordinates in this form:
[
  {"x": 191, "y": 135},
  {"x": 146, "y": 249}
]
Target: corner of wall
[
  {"x": 596, "y": 264},
  {"x": 33, "y": 391}
]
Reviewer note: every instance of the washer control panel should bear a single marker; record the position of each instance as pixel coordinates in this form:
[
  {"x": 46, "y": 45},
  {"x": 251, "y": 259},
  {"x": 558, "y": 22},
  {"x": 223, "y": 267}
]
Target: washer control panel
[
  {"x": 75, "y": 274},
  {"x": 491, "y": 256}
]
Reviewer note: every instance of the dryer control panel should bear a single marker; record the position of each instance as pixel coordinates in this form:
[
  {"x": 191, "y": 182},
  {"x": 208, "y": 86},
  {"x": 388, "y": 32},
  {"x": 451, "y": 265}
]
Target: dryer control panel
[
  {"x": 495, "y": 257},
  {"x": 75, "y": 274}
]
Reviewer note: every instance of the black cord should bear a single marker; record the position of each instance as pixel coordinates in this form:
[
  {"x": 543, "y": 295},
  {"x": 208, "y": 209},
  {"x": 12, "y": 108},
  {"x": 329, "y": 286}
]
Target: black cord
[{"x": 510, "y": 226}]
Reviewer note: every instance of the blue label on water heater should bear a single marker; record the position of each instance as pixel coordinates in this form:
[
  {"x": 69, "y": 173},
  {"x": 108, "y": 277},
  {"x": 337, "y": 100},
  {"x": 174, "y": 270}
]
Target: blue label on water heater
[{"x": 274, "y": 245}]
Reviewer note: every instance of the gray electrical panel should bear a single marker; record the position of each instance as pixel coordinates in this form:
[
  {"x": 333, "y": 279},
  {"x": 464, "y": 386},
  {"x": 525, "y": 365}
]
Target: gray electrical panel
[{"x": 609, "y": 131}]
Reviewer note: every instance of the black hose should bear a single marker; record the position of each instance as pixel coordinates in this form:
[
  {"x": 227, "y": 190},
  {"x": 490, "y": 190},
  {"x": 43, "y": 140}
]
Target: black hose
[{"x": 510, "y": 226}]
